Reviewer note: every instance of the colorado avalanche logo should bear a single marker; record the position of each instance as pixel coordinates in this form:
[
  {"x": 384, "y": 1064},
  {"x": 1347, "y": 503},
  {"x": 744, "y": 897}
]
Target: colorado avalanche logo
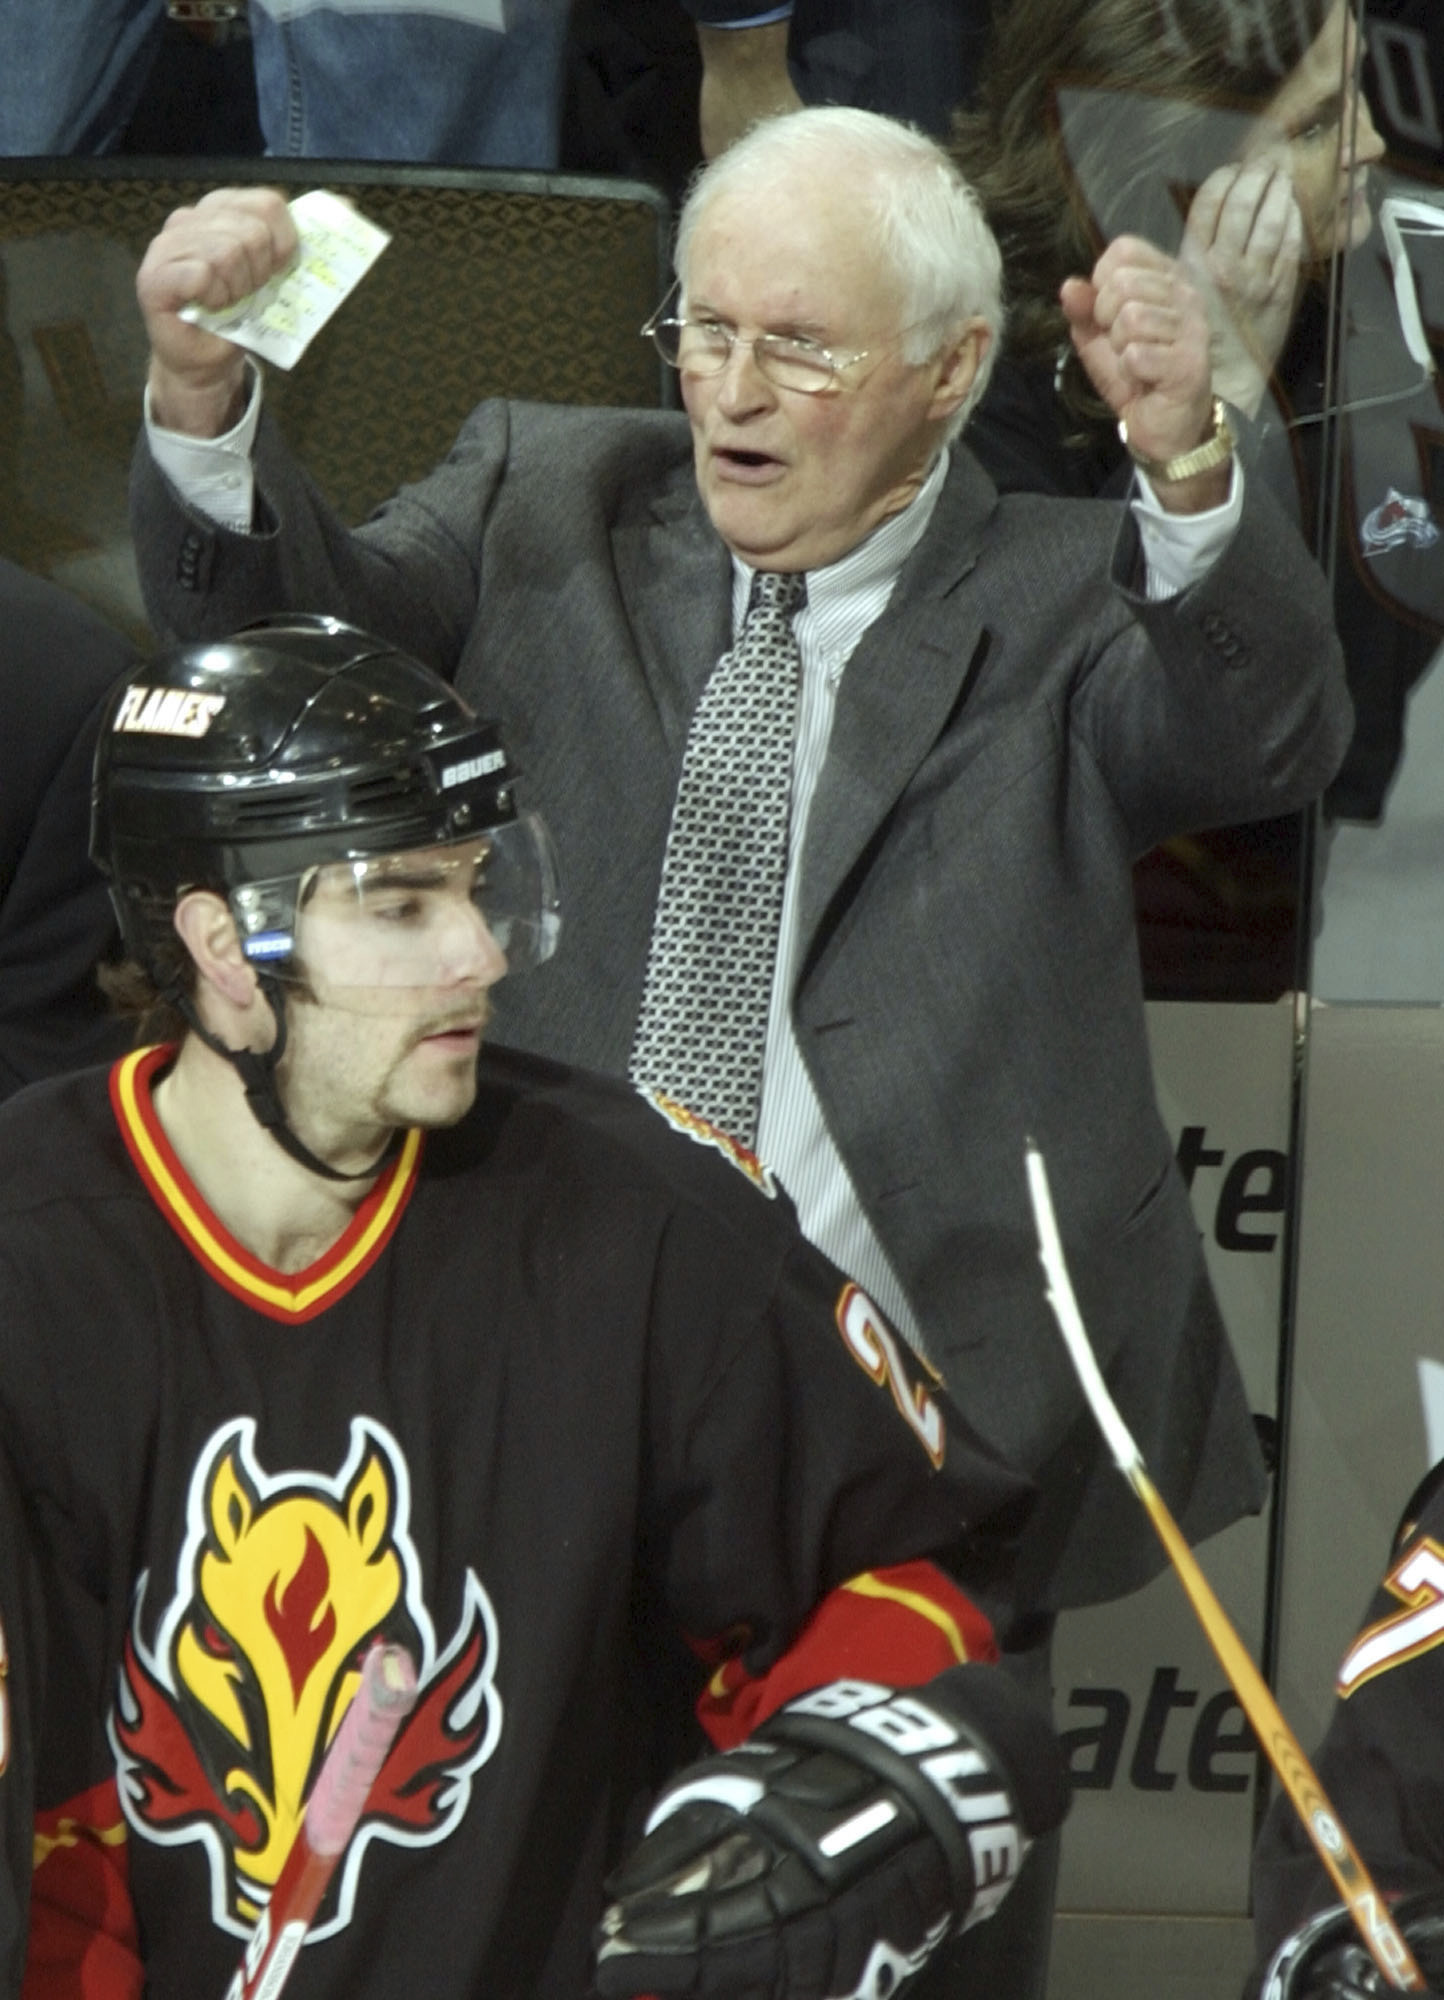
[
  {"x": 284, "y": 1580},
  {"x": 1398, "y": 520}
]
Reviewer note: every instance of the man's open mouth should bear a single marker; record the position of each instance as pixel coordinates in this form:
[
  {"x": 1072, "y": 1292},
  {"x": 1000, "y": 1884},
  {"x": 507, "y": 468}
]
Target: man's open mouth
[{"x": 733, "y": 459}]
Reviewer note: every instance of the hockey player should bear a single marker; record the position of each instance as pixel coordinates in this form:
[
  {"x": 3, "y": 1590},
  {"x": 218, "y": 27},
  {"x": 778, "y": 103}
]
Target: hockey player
[
  {"x": 322, "y": 1324},
  {"x": 1382, "y": 1765}
]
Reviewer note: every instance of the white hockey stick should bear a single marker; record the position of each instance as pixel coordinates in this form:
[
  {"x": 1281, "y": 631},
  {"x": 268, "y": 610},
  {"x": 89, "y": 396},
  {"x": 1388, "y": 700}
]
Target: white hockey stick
[{"x": 1385, "y": 1941}]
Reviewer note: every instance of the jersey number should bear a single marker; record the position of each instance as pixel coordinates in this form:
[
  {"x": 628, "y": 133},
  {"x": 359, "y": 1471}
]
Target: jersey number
[
  {"x": 874, "y": 1348},
  {"x": 1419, "y": 1581}
]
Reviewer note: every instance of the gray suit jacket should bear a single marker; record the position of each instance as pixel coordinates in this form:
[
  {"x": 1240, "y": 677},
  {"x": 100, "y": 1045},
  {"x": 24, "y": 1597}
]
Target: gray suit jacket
[{"x": 1009, "y": 735}]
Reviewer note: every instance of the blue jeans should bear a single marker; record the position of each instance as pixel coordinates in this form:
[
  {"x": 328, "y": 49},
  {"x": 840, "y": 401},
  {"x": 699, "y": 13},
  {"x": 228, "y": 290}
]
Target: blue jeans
[
  {"x": 344, "y": 81},
  {"x": 72, "y": 73},
  {"x": 348, "y": 82}
]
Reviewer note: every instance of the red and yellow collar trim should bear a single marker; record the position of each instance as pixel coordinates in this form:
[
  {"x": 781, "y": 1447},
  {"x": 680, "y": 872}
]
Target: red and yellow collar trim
[{"x": 288, "y": 1296}]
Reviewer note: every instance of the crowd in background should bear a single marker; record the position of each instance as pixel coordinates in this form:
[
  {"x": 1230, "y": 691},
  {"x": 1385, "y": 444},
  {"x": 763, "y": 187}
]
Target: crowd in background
[{"x": 638, "y": 87}]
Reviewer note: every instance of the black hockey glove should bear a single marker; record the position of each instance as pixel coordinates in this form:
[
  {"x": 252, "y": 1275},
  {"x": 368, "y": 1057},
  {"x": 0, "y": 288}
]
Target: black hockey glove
[
  {"x": 1325, "y": 1959},
  {"x": 828, "y": 1856}
]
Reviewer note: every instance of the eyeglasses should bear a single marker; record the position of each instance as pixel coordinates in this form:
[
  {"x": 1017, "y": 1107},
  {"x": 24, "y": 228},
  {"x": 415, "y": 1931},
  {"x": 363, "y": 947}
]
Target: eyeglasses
[{"x": 788, "y": 360}]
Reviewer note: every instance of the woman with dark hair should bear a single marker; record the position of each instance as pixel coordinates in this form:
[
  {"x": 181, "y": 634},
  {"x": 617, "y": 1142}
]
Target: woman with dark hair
[{"x": 1231, "y": 138}]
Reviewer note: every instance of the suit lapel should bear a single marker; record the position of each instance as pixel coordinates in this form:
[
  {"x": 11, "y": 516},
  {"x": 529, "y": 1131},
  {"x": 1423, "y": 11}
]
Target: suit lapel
[
  {"x": 897, "y": 691},
  {"x": 675, "y": 577}
]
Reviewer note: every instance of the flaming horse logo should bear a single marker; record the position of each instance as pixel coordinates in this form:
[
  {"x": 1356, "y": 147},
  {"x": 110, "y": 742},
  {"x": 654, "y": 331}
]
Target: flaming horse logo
[{"x": 220, "y": 1726}]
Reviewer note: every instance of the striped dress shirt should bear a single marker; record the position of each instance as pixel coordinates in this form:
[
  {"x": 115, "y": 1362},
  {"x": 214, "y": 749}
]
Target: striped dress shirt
[{"x": 792, "y": 1134}]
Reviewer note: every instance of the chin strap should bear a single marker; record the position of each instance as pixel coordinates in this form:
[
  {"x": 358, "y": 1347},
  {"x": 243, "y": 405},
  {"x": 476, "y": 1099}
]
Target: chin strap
[{"x": 257, "y": 1071}]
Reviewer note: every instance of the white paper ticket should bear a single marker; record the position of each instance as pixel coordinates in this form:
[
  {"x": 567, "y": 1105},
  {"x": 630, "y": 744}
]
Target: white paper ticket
[{"x": 279, "y": 322}]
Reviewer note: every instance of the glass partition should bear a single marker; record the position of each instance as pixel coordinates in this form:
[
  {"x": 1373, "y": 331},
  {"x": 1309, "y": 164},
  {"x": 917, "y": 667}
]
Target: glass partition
[
  {"x": 1291, "y": 152},
  {"x": 1288, "y": 152}
]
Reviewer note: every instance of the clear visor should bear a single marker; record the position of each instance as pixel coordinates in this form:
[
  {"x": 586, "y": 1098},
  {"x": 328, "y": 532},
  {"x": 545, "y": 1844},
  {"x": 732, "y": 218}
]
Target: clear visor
[{"x": 437, "y": 919}]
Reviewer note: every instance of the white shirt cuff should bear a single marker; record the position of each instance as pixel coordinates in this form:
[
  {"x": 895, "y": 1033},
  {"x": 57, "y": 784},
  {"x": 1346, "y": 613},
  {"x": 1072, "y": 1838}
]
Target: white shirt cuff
[
  {"x": 1178, "y": 549},
  {"x": 212, "y": 475}
]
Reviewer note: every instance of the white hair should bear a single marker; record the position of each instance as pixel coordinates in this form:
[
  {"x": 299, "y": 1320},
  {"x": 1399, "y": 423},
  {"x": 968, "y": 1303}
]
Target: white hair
[{"x": 924, "y": 217}]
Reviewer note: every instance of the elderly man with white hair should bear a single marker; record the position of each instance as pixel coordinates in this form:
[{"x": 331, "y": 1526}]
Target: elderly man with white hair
[{"x": 847, "y": 758}]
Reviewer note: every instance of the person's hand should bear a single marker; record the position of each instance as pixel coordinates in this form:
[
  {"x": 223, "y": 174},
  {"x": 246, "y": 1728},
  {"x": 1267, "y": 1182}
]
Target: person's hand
[
  {"x": 833, "y": 1851},
  {"x": 1140, "y": 330},
  {"x": 1326, "y": 1959},
  {"x": 1242, "y": 245},
  {"x": 229, "y": 244},
  {"x": 744, "y": 79}
]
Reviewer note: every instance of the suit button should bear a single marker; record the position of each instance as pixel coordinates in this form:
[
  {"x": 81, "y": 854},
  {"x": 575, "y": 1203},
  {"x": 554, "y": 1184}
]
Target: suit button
[{"x": 1223, "y": 639}]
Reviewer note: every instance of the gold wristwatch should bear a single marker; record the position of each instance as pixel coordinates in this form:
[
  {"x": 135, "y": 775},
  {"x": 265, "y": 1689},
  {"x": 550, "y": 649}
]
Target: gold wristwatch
[{"x": 1216, "y": 449}]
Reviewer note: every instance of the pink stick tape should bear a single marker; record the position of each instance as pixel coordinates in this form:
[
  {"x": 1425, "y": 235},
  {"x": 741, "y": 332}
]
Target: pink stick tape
[{"x": 380, "y": 1705}]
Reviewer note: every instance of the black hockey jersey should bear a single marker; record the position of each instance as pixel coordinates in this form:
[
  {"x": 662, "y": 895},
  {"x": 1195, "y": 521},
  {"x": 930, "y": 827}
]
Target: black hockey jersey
[
  {"x": 568, "y": 1392},
  {"x": 1382, "y": 1759}
]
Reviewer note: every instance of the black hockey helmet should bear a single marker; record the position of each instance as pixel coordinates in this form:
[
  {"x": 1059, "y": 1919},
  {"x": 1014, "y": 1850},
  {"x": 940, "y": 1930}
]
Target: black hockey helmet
[
  {"x": 1325, "y": 1959},
  {"x": 243, "y": 764},
  {"x": 252, "y": 764}
]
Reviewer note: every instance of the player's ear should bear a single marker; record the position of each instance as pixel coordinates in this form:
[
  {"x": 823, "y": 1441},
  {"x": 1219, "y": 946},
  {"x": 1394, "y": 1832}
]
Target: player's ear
[{"x": 208, "y": 931}]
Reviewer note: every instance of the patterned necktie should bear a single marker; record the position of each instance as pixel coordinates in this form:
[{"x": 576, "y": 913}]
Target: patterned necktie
[{"x": 702, "y": 1031}]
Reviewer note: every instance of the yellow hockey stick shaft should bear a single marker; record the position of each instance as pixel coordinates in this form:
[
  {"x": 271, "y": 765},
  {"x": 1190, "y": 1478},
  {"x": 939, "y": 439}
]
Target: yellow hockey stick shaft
[{"x": 1386, "y": 1943}]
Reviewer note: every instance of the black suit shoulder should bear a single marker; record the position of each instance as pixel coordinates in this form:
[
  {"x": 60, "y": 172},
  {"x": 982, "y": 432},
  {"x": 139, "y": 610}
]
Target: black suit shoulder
[{"x": 58, "y": 660}]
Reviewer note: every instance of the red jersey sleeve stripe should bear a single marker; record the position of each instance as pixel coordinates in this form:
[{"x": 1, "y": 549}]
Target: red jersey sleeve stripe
[{"x": 899, "y": 1626}]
